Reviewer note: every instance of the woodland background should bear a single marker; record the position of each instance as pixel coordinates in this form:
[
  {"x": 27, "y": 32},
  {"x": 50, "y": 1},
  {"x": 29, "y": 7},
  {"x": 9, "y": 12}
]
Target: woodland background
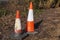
[{"x": 7, "y": 6}]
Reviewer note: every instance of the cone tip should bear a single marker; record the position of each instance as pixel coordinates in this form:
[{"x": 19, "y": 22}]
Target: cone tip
[
  {"x": 17, "y": 14},
  {"x": 31, "y": 6}
]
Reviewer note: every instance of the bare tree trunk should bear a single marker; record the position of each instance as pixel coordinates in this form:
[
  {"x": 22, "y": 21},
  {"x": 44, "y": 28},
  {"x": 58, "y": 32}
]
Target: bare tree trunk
[
  {"x": 58, "y": 3},
  {"x": 49, "y": 2},
  {"x": 41, "y": 4}
]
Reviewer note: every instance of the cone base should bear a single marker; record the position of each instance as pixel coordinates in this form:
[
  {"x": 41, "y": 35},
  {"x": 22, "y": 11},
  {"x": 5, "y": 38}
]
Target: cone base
[
  {"x": 18, "y": 36},
  {"x": 35, "y": 32}
]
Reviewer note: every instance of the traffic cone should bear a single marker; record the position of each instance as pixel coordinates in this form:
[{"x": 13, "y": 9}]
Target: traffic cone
[
  {"x": 17, "y": 28},
  {"x": 18, "y": 31},
  {"x": 30, "y": 21}
]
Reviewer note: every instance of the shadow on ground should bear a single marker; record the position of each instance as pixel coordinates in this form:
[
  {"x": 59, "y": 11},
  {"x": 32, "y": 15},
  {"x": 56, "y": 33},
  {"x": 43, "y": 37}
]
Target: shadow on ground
[{"x": 37, "y": 25}]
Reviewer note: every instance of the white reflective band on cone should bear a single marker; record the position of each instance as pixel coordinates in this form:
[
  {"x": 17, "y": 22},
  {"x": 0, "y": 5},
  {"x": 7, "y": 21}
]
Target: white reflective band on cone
[
  {"x": 17, "y": 24},
  {"x": 30, "y": 15}
]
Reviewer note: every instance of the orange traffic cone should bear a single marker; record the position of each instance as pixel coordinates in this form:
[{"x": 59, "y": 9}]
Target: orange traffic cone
[
  {"x": 30, "y": 20},
  {"x": 17, "y": 28},
  {"x": 18, "y": 32}
]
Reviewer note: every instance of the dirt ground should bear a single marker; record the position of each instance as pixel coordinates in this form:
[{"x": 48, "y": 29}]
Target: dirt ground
[{"x": 47, "y": 23}]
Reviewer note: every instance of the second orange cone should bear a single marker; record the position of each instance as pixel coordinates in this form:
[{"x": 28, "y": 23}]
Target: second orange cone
[{"x": 30, "y": 19}]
